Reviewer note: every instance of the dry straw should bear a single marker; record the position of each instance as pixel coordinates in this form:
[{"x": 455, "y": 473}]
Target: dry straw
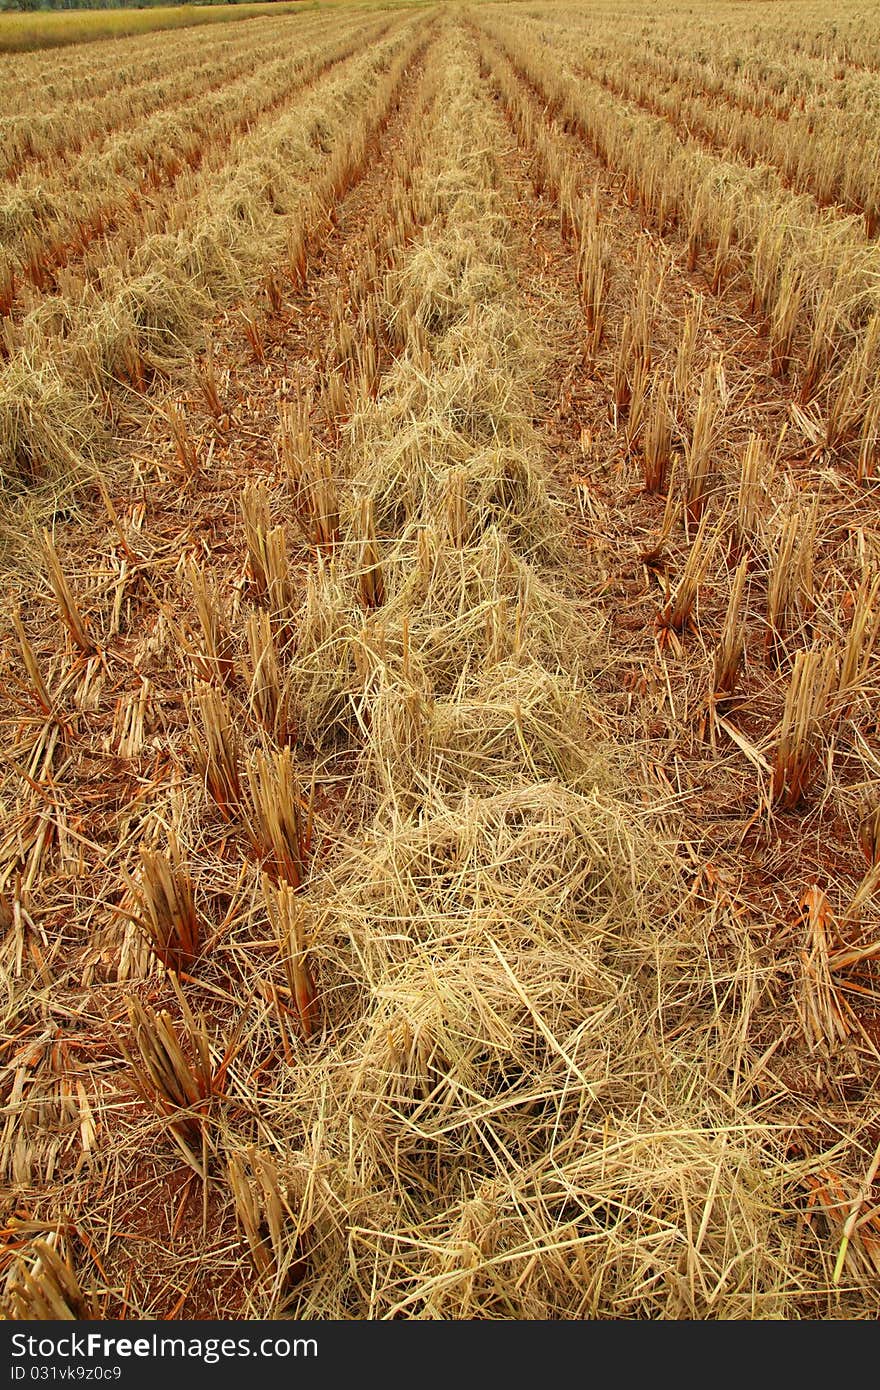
[
  {"x": 216, "y": 749},
  {"x": 679, "y": 610},
  {"x": 278, "y": 820},
  {"x": 511, "y": 1040},
  {"x": 731, "y": 644},
  {"x": 68, "y": 609},
  {"x": 261, "y": 1211},
  {"x": 804, "y": 719},
  {"x": 657, "y": 438},
  {"x": 168, "y": 910},
  {"x": 287, "y": 917},
  {"x": 699, "y": 451},
  {"x": 215, "y": 659},
  {"x": 47, "y": 1288},
  {"x": 173, "y": 1072}
]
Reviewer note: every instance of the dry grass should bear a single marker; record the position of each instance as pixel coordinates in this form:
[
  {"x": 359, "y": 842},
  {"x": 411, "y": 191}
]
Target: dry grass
[
  {"x": 679, "y": 611},
  {"x": 439, "y": 842},
  {"x": 216, "y": 749},
  {"x": 731, "y": 644},
  {"x": 21, "y": 33},
  {"x": 115, "y": 296},
  {"x": 804, "y": 717},
  {"x": 47, "y": 1288},
  {"x": 168, "y": 907}
]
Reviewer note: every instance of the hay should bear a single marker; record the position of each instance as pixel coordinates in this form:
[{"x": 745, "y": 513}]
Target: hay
[
  {"x": 468, "y": 1023},
  {"x": 524, "y": 1149},
  {"x": 47, "y": 427},
  {"x": 503, "y": 487}
]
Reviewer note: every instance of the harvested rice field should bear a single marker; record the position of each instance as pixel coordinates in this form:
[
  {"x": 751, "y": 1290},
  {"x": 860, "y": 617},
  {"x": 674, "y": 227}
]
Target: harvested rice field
[
  {"x": 33, "y": 29},
  {"x": 440, "y": 666}
]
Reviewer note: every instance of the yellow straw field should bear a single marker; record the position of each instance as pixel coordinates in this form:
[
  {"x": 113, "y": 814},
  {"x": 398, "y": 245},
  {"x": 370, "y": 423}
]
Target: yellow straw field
[
  {"x": 21, "y": 33},
  {"x": 440, "y": 666}
]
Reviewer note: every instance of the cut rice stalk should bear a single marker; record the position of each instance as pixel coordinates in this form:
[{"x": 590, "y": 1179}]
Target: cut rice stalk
[
  {"x": 287, "y": 914},
  {"x": 278, "y": 820},
  {"x": 169, "y": 914},
  {"x": 48, "y": 1290},
  {"x": 216, "y": 749},
  {"x": 798, "y": 747},
  {"x": 67, "y": 605}
]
